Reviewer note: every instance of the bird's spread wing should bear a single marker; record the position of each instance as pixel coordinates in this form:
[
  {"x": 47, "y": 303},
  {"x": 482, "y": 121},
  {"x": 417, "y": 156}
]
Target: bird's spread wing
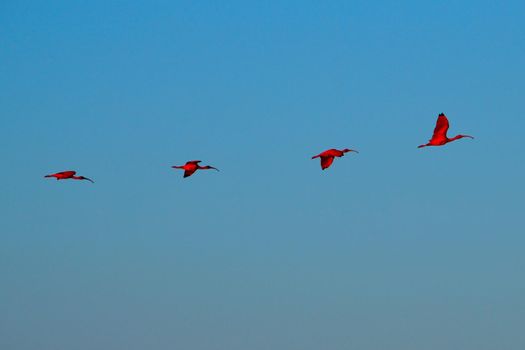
[
  {"x": 441, "y": 128},
  {"x": 326, "y": 162},
  {"x": 189, "y": 172},
  {"x": 67, "y": 173}
]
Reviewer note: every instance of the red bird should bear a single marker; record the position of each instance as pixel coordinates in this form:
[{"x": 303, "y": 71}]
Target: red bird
[
  {"x": 70, "y": 174},
  {"x": 440, "y": 133},
  {"x": 192, "y": 166},
  {"x": 327, "y": 157}
]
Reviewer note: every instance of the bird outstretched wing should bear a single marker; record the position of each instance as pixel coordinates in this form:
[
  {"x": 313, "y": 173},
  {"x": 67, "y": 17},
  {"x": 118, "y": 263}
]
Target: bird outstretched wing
[
  {"x": 326, "y": 162},
  {"x": 440, "y": 131},
  {"x": 189, "y": 172}
]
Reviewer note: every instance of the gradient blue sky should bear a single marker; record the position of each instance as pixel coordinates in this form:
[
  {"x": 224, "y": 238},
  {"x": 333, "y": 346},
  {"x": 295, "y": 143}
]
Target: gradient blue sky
[{"x": 393, "y": 248}]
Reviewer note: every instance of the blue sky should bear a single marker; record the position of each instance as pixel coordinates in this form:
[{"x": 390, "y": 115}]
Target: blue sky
[{"x": 394, "y": 247}]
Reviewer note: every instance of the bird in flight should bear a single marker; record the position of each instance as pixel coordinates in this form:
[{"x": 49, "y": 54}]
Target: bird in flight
[
  {"x": 327, "y": 157},
  {"x": 439, "y": 138},
  {"x": 70, "y": 174},
  {"x": 192, "y": 166}
]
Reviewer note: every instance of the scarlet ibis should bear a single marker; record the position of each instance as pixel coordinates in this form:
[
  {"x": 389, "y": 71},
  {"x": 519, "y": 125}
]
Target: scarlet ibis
[
  {"x": 327, "y": 157},
  {"x": 439, "y": 138},
  {"x": 192, "y": 166},
  {"x": 70, "y": 174}
]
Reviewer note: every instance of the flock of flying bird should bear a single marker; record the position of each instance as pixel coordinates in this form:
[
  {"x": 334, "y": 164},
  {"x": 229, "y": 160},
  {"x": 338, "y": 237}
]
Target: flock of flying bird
[{"x": 439, "y": 138}]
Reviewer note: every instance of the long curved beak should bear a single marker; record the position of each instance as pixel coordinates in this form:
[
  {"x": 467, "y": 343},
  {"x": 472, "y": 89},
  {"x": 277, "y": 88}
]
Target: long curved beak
[
  {"x": 470, "y": 137},
  {"x": 85, "y": 178}
]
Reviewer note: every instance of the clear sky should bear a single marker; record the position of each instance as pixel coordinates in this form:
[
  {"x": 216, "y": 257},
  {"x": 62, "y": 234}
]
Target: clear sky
[{"x": 394, "y": 248}]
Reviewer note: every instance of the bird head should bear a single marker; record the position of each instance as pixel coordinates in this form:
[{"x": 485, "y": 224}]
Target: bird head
[{"x": 85, "y": 178}]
